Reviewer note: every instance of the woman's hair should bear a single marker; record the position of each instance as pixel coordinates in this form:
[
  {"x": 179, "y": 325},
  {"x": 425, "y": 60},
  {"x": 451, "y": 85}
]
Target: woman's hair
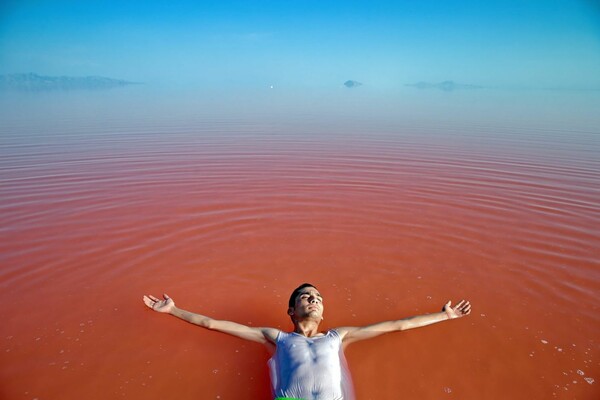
[{"x": 296, "y": 292}]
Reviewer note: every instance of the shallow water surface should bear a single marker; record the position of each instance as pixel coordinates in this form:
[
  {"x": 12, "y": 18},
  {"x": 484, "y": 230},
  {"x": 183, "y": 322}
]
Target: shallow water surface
[{"x": 389, "y": 215}]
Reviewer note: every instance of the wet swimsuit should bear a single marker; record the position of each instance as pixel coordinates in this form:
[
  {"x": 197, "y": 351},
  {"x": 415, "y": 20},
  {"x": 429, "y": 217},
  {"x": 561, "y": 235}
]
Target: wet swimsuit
[{"x": 310, "y": 368}]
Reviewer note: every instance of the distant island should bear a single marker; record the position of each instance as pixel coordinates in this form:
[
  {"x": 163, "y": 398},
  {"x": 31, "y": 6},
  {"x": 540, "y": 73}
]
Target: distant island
[
  {"x": 34, "y": 82},
  {"x": 352, "y": 84},
  {"x": 447, "y": 86}
]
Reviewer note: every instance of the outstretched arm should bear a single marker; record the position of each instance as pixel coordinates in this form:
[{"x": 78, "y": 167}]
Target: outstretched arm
[
  {"x": 354, "y": 334},
  {"x": 266, "y": 336}
]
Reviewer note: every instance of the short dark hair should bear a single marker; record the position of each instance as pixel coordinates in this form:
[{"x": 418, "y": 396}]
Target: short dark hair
[{"x": 296, "y": 292}]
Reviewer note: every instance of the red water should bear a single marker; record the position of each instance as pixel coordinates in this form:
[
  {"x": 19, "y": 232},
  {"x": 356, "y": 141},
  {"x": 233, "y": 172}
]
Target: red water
[{"x": 227, "y": 217}]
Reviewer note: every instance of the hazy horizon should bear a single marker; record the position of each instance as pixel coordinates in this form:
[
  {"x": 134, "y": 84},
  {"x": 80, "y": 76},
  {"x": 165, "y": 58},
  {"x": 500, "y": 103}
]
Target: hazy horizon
[{"x": 239, "y": 45}]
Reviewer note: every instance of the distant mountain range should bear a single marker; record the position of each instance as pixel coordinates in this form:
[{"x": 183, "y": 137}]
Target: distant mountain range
[
  {"x": 447, "y": 86},
  {"x": 352, "y": 84},
  {"x": 34, "y": 82}
]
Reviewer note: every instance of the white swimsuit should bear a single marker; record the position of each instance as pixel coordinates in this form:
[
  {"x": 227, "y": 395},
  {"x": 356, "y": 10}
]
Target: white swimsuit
[{"x": 310, "y": 368}]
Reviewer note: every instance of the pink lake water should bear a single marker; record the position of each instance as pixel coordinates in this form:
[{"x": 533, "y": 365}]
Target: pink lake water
[{"x": 390, "y": 209}]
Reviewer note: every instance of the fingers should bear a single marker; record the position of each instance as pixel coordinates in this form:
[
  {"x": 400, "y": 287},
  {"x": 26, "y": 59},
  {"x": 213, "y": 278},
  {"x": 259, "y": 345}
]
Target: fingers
[
  {"x": 464, "y": 307},
  {"x": 148, "y": 301},
  {"x": 467, "y": 308},
  {"x": 152, "y": 301},
  {"x": 157, "y": 304}
]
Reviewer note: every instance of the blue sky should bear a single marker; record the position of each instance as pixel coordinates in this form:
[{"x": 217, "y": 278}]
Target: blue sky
[{"x": 384, "y": 44}]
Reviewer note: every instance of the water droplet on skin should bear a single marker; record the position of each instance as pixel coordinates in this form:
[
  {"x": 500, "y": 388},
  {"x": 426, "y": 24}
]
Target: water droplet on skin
[
  {"x": 447, "y": 390},
  {"x": 589, "y": 380},
  {"x": 544, "y": 341},
  {"x": 580, "y": 372}
]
